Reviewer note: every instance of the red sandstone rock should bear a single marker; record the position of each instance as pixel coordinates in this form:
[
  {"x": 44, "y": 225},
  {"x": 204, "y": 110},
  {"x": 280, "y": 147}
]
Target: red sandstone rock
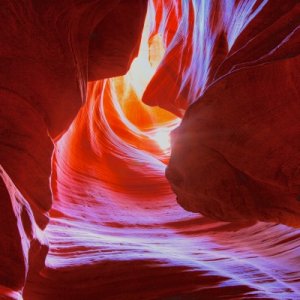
[
  {"x": 115, "y": 231},
  {"x": 236, "y": 154},
  {"x": 115, "y": 40},
  {"x": 22, "y": 244},
  {"x": 47, "y": 50}
]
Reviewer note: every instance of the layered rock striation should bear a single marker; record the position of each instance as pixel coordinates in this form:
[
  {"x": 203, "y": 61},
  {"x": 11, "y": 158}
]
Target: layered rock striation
[{"x": 86, "y": 211}]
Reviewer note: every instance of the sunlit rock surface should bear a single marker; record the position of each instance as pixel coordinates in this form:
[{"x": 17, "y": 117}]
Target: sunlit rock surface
[
  {"x": 86, "y": 211},
  {"x": 236, "y": 155}
]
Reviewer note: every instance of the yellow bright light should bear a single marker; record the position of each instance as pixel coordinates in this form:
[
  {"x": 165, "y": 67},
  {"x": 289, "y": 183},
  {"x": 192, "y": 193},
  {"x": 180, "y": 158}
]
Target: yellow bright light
[
  {"x": 162, "y": 138},
  {"x": 152, "y": 122},
  {"x": 145, "y": 64}
]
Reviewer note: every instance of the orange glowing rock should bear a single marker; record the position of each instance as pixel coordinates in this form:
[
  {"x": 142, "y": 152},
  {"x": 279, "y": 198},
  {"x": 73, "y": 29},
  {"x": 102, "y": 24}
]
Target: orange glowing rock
[{"x": 86, "y": 211}]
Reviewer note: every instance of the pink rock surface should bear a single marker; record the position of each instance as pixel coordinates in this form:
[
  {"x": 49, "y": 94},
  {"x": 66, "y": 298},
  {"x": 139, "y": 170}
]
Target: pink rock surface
[{"x": 86, "y": 211}]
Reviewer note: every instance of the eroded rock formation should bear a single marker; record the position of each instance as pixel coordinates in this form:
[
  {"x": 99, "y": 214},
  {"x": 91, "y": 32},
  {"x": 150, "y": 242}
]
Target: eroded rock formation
[
  {"x": 86, "y": 211},
  {"x": 236, "y": 154},
  {"x": 47, "y": 56}
]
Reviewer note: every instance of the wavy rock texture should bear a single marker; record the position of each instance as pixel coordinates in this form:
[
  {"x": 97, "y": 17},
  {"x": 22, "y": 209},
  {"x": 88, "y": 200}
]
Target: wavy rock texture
[
  {"x": 47, "y": 55},
  {"x": 236, "y": 154},
  {"x": 86, "y": 211}
]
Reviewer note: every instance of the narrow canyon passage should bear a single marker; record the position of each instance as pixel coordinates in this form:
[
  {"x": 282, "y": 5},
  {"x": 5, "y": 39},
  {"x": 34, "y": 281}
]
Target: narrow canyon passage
[{"x": 130, "y": 212}]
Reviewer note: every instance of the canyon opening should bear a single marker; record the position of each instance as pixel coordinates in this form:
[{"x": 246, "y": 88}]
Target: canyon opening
[{"x": 149, "y": 149}]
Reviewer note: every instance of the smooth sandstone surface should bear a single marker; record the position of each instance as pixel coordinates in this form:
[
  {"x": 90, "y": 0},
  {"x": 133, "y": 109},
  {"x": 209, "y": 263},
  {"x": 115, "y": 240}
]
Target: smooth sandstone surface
[{"x": 90, "y": 91}]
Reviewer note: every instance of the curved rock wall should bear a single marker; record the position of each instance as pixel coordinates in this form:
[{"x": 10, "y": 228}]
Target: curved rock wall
[
  {"x": 46, "y": 51},
  {"x": 236, "y": 154},
  {"x": 86, "y": 211}
]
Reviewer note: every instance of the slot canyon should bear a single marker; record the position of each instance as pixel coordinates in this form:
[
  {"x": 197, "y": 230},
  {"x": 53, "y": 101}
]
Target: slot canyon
[{"x": 149, "y": 149}]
